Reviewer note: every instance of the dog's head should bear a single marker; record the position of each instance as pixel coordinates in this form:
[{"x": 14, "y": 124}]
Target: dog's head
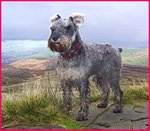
[{"x": 64, "y": 31}]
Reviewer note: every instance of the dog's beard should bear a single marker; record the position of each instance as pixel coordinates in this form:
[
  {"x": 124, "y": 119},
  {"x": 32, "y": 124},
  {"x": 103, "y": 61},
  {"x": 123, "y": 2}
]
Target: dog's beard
[{"x": 63, "y": 44}]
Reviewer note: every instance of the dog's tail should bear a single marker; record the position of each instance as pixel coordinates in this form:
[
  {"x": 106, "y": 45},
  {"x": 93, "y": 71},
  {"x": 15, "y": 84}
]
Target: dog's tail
[{"x": 120, "y": 50}]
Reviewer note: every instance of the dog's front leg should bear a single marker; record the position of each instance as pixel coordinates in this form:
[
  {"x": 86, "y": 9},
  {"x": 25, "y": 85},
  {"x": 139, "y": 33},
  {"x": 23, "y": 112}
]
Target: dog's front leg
[
  {"x": 67, "y": 99},
  {"x": 84, "y": 101}
]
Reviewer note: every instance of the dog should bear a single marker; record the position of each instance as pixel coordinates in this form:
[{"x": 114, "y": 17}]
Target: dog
[{"x": 77, "y": 61}]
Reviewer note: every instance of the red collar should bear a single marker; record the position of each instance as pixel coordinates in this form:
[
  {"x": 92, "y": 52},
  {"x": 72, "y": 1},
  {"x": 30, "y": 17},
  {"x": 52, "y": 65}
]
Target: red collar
[{"x": 72, "y": 53}]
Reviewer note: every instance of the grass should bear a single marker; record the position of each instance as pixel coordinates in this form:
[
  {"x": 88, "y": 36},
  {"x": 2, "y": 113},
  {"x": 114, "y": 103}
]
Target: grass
[
  {"x": 68, "y": 124},
  {"x": 34, "y": 106},
  {"x": 135, "y": 93},
  {"x": 37, "y": 104},
  {"x": 131, "y": 93}
]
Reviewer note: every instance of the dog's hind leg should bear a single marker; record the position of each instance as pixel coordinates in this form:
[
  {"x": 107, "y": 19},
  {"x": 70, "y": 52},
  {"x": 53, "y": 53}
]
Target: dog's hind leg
[
  {"x": 106, "y": 90},
  {"x": 114, "y": 82},
  {"x": 118, "y": 96}
]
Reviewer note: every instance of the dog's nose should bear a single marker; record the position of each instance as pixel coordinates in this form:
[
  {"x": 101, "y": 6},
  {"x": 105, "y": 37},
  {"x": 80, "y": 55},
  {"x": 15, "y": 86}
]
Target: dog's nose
[{"x": 54, "y": 38}]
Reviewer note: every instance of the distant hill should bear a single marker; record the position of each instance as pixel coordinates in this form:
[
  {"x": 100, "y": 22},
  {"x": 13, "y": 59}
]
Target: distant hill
[
  {"x": 15, "y": 50},
  {"x": 135, "y": 56}
]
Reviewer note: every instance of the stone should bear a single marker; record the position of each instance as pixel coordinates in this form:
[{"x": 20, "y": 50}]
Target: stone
[{"x": 132, "y": 117}]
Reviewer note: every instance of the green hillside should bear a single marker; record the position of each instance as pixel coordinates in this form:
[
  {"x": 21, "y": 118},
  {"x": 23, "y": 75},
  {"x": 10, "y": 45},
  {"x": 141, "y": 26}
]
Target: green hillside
[
  {"x": 129, "y": 56},
  {"x": 135, "y": 56}
]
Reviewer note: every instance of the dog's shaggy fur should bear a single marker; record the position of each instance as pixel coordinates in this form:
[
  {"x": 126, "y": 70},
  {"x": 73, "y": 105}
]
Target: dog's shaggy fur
[{"x": 102, "y": 61}]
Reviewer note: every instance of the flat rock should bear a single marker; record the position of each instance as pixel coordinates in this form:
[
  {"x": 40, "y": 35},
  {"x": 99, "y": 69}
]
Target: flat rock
[
  {"x": 142, "y": 109},
  {"x": 141, "y": 124},
  {"x": 120, "y": 125},
  {"x": 94, "y": 112},
  {"x": 132, "y": 117}
]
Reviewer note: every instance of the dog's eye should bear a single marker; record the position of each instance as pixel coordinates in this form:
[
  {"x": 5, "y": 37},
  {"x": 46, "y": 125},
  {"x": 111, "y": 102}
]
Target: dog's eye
[
  {"x": 52, "y": 29},
  {"x": 68, "y": 27}
]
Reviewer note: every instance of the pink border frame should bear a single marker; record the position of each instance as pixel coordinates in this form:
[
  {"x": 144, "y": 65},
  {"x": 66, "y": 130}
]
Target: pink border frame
[{"x": 75, "y": 1}]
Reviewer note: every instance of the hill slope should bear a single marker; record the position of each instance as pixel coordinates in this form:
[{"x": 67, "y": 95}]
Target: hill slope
[{"x": 135, "y": 56}]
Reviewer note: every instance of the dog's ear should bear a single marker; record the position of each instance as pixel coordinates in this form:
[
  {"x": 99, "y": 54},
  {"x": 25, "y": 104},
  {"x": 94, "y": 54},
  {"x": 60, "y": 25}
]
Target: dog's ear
[
  {"x": 77, "y": 18},
  {"x": 55, "y": 17}
]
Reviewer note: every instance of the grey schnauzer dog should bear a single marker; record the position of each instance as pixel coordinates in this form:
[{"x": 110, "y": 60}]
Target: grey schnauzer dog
[{"x": 78, "y": 61}]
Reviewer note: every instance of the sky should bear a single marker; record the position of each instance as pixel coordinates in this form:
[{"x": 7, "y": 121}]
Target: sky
[{"x": 123, "y": 24}]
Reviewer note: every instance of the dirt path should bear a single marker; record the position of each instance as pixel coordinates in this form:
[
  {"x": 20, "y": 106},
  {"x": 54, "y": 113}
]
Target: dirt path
[{"x": 132, "y": 117}]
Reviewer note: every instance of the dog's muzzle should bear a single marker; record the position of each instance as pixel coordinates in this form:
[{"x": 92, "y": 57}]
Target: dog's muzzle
[{"x": 60, "y": 45}]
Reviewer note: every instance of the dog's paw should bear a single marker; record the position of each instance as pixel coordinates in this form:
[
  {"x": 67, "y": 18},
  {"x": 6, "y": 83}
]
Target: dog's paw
[
  {"x": 118, "y": 109},
  {"x": 81, "y": 117},
  {"x": 102, "y": 105}
]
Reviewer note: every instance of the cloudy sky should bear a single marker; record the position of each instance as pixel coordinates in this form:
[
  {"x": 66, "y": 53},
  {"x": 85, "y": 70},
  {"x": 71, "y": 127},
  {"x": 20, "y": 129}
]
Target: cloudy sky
[{"x": 120, "y": 23}]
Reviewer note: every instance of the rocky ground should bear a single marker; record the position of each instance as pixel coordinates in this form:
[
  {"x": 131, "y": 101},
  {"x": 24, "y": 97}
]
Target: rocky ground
[{"x": 132, "y": 117}]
